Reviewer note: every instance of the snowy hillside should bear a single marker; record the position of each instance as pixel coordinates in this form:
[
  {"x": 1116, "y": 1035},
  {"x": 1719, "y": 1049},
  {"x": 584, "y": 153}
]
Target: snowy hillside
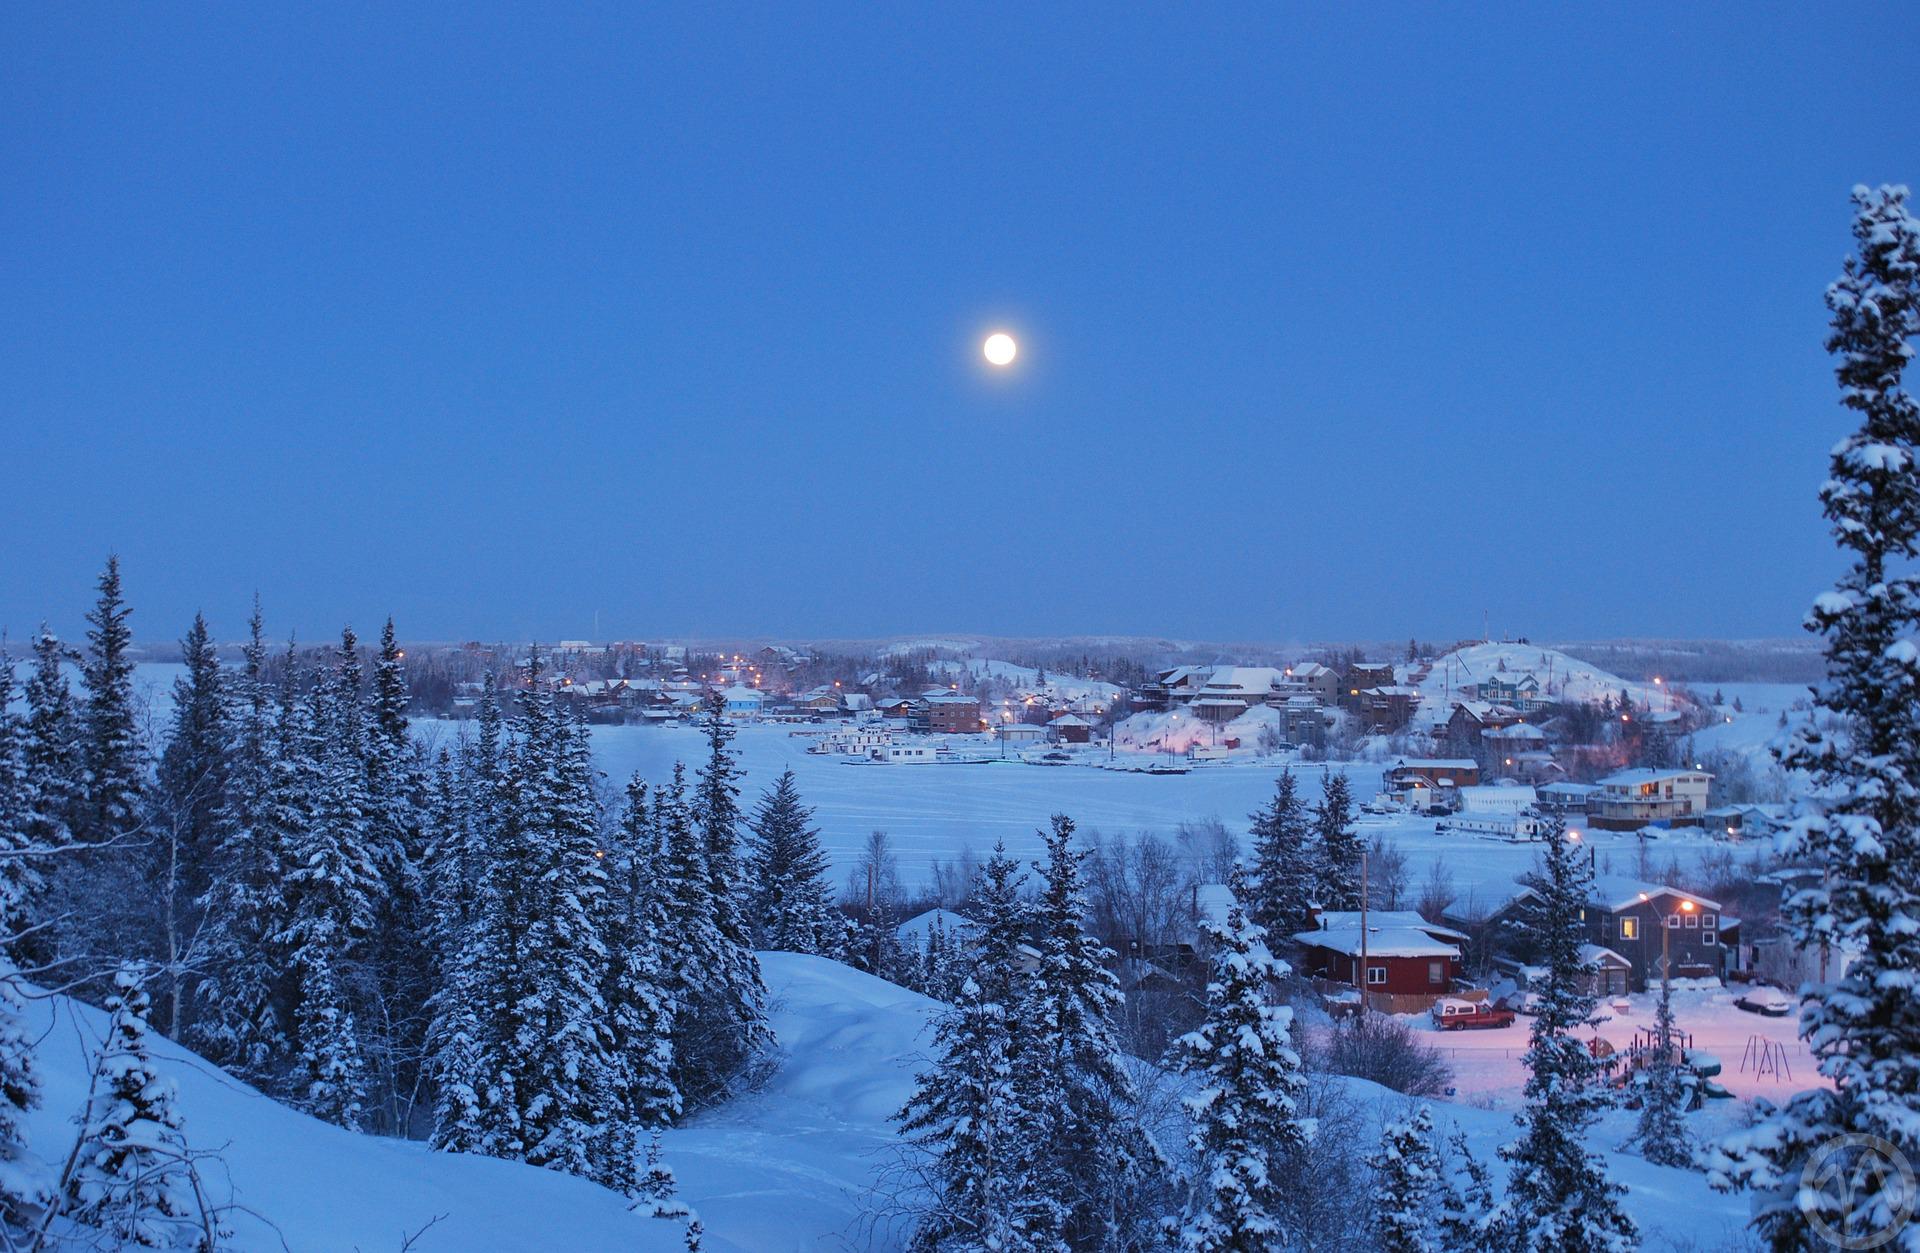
[
  {"x": 785, "y": 1168},
  {"x": 1026, "y": 680},
  {"x": 1562, "y": 678}
]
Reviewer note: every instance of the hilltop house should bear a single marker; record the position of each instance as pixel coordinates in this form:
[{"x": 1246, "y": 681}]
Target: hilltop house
[
  {"x": 1520, "y": 691},
  {"x": 1232, "y": 690}
]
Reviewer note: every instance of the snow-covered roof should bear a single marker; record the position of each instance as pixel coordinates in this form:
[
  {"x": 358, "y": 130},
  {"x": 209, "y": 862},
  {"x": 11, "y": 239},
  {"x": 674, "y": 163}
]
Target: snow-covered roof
[
  {"x": 1646, "y": 774},
  {"x": 1518, "y": 731},
  {"x": 917, "y": 927},
  {"x": 1215, "y": 901},
  {"x": 1435, "y": 763},
  {"x": 1380, "y": 942},
  {"x": 1618, "y": 892},
  {"x": 1308, "y": 670},
  {"x": 1596, "y": 955},
  {"x": 739, "y": 693},
  {"x": 1570, "y": 789},
  {"x": 1069, "y": 720},
  {"x": 1243, "y": 680},
  {"x": 1345, "y": 919}
]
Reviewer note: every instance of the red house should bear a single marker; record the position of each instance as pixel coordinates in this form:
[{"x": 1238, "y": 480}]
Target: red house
[{"x": 1409, "y": 962}]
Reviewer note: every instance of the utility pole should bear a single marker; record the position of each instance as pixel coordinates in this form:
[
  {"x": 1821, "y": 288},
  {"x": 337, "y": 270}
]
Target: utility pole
[
  {"x": 873, "y": 960},
  {"x": 1363, "y": 931}
]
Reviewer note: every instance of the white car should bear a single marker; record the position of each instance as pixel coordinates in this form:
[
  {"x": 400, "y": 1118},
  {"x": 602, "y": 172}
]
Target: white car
[{"x": 1769, "y": 1001}]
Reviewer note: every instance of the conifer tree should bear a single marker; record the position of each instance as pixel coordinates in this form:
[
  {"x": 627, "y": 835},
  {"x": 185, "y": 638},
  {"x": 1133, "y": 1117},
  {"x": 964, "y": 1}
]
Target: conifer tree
[
  {"x": 20, "y": 879},
  {"x": 20, "y": 1182},
  {"x": 1245, "y": 1110},
  {"x": 1466, "y": 1214},
  {"x": 1559, "y": 1197},
  {"x": 112, "y": 760},
  {"x": 790, "y": 902},
  {"x": 1407, "y": 1186},
  {"x": 130, "y": 1173},
  {"x": 334, "y": 889},
  {"x": 964, "y": 1116},
  {"x": 1337, "y": 846},
  {"x": 1091, "y": 1158},
  {"x": 191, "y": 793},
  {"x": 639, "y": 1021},
  {"x": 1662, "y": 1133},
  {"x": 1285, "y": 880},
  {"x": 1862, "y": 751},
  {"x": 51, "y": 747}
]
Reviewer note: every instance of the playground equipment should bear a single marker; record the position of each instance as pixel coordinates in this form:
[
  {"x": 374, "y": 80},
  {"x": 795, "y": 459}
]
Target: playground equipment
[{"x": 1766, "y": 1057}]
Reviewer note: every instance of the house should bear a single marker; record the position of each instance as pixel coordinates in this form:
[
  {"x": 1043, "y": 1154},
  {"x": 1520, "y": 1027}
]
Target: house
[
  {"x": 1567, "y": 800},
  {"x": 1500, "y": 746},
  {"x": 1071, "y": 729},
  {"x": 1387, "y": 708},
  {"x": 1503, "y": 811},
  {"x": 743, "y": 701},
  {"x": 1638, "y": 798},
  {"x": 1427, "y": 783},
  {"x": 1310, "y": 678},
  {"x": 947, "y": 713},
  {"x": 904, "y": 754},
  {"x": 1462, "y": 732},
  {"x": 1362, "y": 675},
  {"x": 824, "y": 699},
  {"x": 1740, "y": 822},
  {"x": 1633, "y": 919},
  {"x": 1232, "y": 690},
  {"x": 1521, "y": 692},
  {"x": 1175, "y": 686},
  {"x": 1608, "y": 974},
  {"x": 894, "y": 706},
  {"x": 1304, "y": 720},
  {"x": 1020, "y": 733},
  {"x": 1404, "y": 963},
  {"x": 914, "y": 931}
]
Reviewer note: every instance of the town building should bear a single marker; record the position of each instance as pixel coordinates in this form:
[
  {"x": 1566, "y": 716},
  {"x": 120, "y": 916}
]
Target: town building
[
  {"x": 947, "y": 713},
  {"x": 1646, "y": 797},
  {"x": 1400, "y": 960}
]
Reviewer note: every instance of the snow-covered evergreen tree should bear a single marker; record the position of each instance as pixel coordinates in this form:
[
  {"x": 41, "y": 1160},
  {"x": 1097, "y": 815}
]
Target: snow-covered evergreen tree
[
  {"x": 790, "y": 901},
  {"x": 190, "y": 794},
  {"x": 738, "y": 995},
  {"x": 964, "y": 1117},
  {"x": 1285, "y": 878},
  {"x": 51, "y": 746},
  {"x": 1089, "y": 1155},
  {"x": 638, "y": 1026},
  {"x": 1407, "y": 1186},
  {"x": 130, "y": 1174},
  {"x": 1862, "y": 751},
  {"x": 1662, "y": 1132},
  {"x": 1245, "y": 1107},
  {"x": 112, "y": 757},
  {"x": 21, "y": 1182},
  {"x": 1559, "y": 1197},
  {"x": 334, "y": 889},
  {"x": 1467, "y": 1207},
  {"x": 1337, "y": 846}
]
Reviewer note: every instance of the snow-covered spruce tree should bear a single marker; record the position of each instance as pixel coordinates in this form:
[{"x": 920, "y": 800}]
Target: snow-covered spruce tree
[
  {"x": 453, "y": 1050},
  {"x": 1407, "y": 1186},
  {"x": 964, "y": 1117},
  {"x": 130, "y": 1174},
  {"x": 1336, "y": 846},
  {"x": 637, "y": 1030},
  {"x": 1245, "y": 1108},
  {"x": 963, "y": 1120},
  {"x": 1662, "y": 1132},
  {"x": 112, "y": 758},
  {"x": 657, "y": 1195},
  {"x": 740, "y": 994},
  {"x": 728, "y": 1025},
  {"x": 400, "y": 957},
  {"x": 790, "y": 902},
  {"x": 1559, "y": 1198},
  {"x": 1284, "y": 879},
  {"x": 21, "y": 1183},
  {"x": 333, "y": 890},
  {"x": 1862, "y": 751},
  {"x": 190, "y": 793},
  {"x": 240, "y": 1014},
  {"x": 51, "y": 745},
  {"x": 1088, "y": 1154},
  {"x": 1466, "y": 1200},
  {"x": 565, "y": 1089}
]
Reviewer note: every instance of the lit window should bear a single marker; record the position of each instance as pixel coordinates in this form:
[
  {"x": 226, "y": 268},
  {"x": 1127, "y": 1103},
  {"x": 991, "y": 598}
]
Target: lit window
[{"x": 1629, "y": 928}]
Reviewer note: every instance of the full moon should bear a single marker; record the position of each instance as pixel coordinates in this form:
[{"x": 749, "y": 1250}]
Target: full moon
[{"x": 1000, "y": 348}]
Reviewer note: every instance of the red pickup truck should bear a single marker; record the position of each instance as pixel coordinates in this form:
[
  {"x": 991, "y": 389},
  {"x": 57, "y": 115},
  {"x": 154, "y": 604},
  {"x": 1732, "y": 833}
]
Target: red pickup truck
[{"x": 1457, "y": 1015}]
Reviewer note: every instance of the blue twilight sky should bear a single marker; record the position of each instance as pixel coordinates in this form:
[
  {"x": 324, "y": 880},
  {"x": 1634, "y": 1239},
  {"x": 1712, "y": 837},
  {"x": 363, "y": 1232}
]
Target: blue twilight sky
[{"x": 1336, "y": 320}]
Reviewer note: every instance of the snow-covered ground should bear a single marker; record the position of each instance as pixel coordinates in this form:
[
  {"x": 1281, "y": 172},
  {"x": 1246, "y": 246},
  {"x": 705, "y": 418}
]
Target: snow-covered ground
[
  {"x": 790, "y": 1167},
  {"x": 1562, "y": 678}
]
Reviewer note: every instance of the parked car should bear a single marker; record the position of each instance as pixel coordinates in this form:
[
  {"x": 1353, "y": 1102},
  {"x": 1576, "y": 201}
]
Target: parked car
[
  {"x": 1769, "y": 1001},
  {"x": 1451, "y": 1014}
]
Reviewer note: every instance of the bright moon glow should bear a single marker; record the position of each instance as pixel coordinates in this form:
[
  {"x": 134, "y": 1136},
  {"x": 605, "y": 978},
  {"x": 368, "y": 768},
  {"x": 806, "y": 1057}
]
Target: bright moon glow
[{"x": 1000, "y": 348}]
